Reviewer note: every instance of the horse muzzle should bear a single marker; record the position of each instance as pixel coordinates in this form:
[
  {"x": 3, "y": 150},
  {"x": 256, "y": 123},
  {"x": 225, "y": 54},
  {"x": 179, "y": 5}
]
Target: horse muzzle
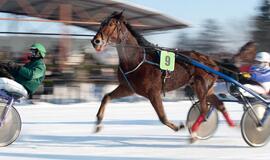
[{"x": 98, "y": 44}]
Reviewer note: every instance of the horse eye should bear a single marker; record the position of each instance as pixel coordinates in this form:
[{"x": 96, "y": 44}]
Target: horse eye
[{"x": 111, "y": 24}]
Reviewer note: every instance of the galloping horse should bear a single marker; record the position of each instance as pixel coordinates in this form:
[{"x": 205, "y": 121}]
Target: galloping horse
[{"x": 139, "y": 72}]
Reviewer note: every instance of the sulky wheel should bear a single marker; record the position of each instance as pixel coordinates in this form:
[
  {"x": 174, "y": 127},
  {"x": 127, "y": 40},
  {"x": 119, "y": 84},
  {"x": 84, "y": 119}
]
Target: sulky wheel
[
  {"x": 11, "y": 126},
  {"x": 207, "y": 127},
  {"x": 254, "y": 134}
]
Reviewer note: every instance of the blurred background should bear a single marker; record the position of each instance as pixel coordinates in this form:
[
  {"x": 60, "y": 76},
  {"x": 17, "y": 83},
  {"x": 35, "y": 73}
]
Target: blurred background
[{"x": 76, "y": 73}]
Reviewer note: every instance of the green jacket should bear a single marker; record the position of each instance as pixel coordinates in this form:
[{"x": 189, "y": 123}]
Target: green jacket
[{"x": 31, "y": 75}]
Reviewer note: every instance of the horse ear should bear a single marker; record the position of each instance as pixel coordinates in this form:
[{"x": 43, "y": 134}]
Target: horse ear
[
  {"x": 114, "y": 13},
  {"x": 121, "y": 13}
]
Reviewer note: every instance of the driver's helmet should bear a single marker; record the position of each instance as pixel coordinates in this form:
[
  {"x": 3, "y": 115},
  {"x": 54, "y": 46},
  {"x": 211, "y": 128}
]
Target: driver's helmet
[
  {"x": 263, "y": 57},
  {"x": 40, "y": 47}
]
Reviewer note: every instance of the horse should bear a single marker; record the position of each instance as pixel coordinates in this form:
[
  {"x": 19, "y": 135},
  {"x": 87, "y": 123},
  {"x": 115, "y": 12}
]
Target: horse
[
  {"x": 245, "y": 55},
  {"x": 139, "y": 72},
  {"x": 239, "y": 62}
]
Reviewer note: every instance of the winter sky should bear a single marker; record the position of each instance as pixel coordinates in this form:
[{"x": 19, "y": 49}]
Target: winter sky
[{"x": 232, "y": 15}]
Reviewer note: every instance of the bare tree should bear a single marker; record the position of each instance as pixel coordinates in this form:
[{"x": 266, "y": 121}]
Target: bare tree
[
  {"x": 209, "y": 40},
  {"x": 261, "y": 32}
]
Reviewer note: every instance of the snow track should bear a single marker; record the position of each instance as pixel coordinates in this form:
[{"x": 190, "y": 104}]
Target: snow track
[{"x": 131, "y": 131}]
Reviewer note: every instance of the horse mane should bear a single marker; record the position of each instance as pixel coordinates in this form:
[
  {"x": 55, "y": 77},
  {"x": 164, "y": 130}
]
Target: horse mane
[
  {"x": 141, "y": 40},
  {"x": 150, "y": 46}
]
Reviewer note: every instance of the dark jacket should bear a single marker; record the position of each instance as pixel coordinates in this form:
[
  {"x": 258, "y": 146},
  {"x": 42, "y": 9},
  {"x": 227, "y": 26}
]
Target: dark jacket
[{"x": 31, "y": 75}]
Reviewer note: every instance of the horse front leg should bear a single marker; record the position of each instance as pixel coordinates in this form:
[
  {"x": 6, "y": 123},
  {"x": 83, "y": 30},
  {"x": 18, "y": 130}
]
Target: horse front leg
[
  {"x": 119, "y": 92},
  {"x": 201, "y": 92},
  {"x": 156, "y": 102}
]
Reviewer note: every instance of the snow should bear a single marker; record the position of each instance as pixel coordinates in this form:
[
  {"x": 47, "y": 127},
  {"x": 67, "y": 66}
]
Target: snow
[{"x": 131, "y": 131}]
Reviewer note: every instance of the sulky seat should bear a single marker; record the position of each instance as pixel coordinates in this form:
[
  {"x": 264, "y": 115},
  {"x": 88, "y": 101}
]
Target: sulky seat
[{"x": 12, "y": 88}]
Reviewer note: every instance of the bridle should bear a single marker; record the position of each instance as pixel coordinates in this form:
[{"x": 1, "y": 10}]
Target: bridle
[
  {"x": 122, "y": 36},
  {"x": 117, "y": 27}
]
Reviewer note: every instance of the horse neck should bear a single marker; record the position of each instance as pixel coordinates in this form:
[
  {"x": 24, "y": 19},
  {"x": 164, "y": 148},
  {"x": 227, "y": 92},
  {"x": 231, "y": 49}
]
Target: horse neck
[{"x": 130, "y": 53}]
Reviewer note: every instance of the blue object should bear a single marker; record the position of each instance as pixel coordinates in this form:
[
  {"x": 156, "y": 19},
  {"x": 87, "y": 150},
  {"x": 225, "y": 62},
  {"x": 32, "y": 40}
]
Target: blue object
[
  {"x": 225, "y": 77},
  {"x": 260, "y": 74}
]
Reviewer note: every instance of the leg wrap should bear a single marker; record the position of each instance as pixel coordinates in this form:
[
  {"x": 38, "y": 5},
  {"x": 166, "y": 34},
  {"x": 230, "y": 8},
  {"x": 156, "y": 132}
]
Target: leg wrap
[
  {"x": 228, "y": 119},
  {"x": 198, "y": 122}
]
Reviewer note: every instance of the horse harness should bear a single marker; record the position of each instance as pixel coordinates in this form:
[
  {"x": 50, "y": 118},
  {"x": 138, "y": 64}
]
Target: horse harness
[
  {"x": 165, "y": 74},
  {"x": 144, "y": 60}
]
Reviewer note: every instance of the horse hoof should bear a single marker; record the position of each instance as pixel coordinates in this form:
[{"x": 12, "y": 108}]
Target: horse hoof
[
  {"x": 182, "y": 126},
  {"x": 192, "y": 140},
  {"x": 98, "y": 128},
  {"x": 193, "y": 137}
]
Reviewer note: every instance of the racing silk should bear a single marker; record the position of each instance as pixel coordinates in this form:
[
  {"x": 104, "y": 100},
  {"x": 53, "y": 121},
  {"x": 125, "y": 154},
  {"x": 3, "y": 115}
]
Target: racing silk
[
  {"x": 245, "y": 68},
  {"x": 31, "y": 75},
  {"x": 260, "y": 74}
]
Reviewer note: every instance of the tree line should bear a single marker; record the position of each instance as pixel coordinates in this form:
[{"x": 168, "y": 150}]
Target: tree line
[{"x": 213, "y": 39}]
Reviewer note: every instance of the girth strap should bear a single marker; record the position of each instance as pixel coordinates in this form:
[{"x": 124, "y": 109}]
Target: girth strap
[
  {"x": 124, "y": 75},
  {"x": 165, "y": 76}
]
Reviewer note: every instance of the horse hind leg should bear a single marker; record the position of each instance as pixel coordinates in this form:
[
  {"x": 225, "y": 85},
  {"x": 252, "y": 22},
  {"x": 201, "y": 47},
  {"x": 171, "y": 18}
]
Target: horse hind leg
[
  {"x": 213, "y": 99},
  {"x": 156, "y": 102},
  {"x": 205, "y": 93},
  {"x": 119, "y": 92}
]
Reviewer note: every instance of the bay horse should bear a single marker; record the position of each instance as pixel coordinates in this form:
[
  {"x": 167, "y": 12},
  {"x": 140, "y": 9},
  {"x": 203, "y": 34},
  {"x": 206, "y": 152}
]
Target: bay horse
[
  {"x": 246, "y": 55},
  {"x": 139, "y": 72},
  {"x": 239, "y": 62}
]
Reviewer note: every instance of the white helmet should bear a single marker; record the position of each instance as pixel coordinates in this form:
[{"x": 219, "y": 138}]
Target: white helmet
[{"x": 263, "y": 57}]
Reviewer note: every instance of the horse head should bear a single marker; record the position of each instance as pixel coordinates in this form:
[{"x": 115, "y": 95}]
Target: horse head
[
  {"x": 246, "y": 54},
  {"x": 111, "y": 30}
]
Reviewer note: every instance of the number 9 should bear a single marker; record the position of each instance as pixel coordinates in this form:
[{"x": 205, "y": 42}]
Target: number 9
[{"x": 167, "y": 60}]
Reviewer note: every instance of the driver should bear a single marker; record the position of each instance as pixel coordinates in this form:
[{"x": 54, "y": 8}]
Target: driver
[
  {"x": 260, "y": 72},
  {"x": 26, "y": 78}
]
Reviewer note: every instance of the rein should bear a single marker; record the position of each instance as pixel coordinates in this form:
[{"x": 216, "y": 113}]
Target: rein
[{"x": 175, "y": 49}]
